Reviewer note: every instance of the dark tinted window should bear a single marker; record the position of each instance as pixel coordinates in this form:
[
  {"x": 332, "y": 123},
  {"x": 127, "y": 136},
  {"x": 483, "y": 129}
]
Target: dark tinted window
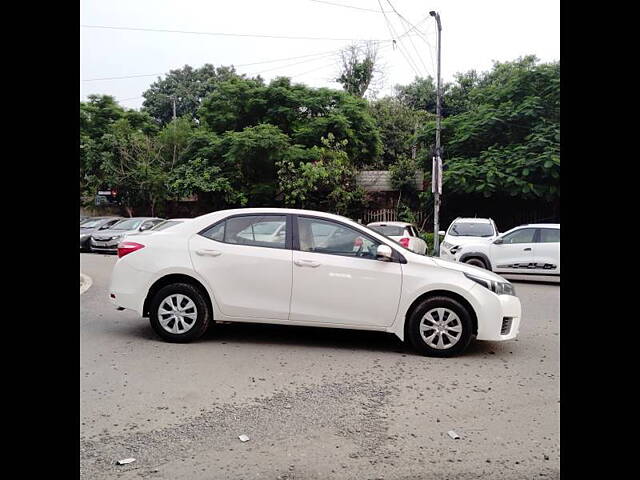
[
  {"x": 524, "y": 235},
  {"x": 215, "y": 233},
  {"x": 128, "y": 224},
  {"x": 549, "y": 235},
  {"x": 324, "y": 236},
  {"x": 388, "y": 230},
  {"x": 468, "y": 229}
]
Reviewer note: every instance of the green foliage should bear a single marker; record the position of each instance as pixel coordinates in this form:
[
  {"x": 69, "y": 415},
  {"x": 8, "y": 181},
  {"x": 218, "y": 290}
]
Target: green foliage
[
  {"x": 508, "y": 141},
  {"x": 322, "y": 178},
  {"x": 398, "y": 124},
  {"x": 188, "y": 85},
  {"x": 358, "y": 68}
]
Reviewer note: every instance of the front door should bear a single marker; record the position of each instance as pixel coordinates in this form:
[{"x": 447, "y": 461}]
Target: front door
[
  {"x": 546, "y": 251},
  {"x": 337, "y": 279},
  {"x": 515, "y": 254},
  {"x": 247, "y": 260}
]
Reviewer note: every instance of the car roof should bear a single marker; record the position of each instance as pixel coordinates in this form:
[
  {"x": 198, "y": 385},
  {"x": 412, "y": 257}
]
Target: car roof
[
  {"x": 393, "y": 224},
  {"x": 540, "y": 225},
  {"x": 472, "y": 220}
]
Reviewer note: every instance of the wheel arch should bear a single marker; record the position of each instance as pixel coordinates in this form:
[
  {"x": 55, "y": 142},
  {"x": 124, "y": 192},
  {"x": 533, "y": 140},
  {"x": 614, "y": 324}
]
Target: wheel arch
[
  {"x": 482, "y": 256},
  {"x": 170, "y": 278},
  {"x": 440, "y": 293}
]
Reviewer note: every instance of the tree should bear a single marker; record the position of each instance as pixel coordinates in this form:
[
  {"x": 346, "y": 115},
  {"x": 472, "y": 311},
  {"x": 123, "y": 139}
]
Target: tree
[
  {"x": 321, "y": 178},
  {"x": 508, "y": 141},
  {"x": 398, "y": 125},
  {"x": 418, "y": 95},
  {"x": 188, "y": 86},
  {"x": 302, "y": 113},
  {"x": 358, "y": 67}
]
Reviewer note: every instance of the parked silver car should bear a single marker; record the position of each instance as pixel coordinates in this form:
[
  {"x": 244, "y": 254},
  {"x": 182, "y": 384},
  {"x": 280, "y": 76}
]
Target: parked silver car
[
  {"x": 94, "y": 225},
  {"x": 107, "y": 240}
]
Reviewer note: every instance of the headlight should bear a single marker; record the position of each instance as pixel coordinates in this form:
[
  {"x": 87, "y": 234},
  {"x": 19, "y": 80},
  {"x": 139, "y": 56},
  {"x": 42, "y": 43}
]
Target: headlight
[
  {"x": 446, "y": 245},
  {"x": 83, "y": 235},
  {"x": 499, "y": 288}
]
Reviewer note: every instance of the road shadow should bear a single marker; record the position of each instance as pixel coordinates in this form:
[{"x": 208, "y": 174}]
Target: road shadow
[{"x": 316, "y": 337}]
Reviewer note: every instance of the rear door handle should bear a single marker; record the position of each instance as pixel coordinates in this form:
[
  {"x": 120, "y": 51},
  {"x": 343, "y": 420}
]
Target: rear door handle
[
  {"x": 527, "y": 249},
  {"x": 208, "y": 253},
  {"x": 306, "y": 263}
]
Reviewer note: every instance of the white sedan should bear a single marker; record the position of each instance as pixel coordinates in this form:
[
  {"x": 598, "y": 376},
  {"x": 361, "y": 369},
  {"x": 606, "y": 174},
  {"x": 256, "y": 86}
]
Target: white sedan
[
  {"x": 404, "y": 233},
  {"x": 532, "y": 249},
  {"x": 325, "y": 271}
]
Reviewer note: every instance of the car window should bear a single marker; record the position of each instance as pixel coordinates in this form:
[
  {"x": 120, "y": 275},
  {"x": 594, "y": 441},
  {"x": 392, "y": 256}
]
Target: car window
[
  {"x": 324, "y": 236},
  {"x": 549, "y": 235},
  {"x": 258, "y": 230},
  {"x": 524, "y": 235},
  {"x": 166, "y": 224},
  {"x": 215, "y": 233},
  {"x": 127, "y": 224},
  {"x": 388, "y": 230},
  {"x": 469, "y": 229}
]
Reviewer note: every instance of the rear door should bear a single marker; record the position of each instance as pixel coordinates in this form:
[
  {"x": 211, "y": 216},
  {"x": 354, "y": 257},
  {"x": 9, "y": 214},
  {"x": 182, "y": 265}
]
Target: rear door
[
  {"x": 546, "y": 251},
  {"x": 247, "y": 261},
  {"x": 515, "y": 254},
  {"x": 337, "y": 279}
]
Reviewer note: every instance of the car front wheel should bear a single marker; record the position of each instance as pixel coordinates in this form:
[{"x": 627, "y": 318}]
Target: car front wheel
[
  {"x": 440, "y": 327},
  {"x": 476, "y": 262},
  {"x": 179, "y": 313}
]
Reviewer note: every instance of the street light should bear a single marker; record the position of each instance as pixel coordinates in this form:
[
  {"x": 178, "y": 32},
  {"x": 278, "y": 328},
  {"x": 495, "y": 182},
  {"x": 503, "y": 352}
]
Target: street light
[{"x": 436, "y": 174}]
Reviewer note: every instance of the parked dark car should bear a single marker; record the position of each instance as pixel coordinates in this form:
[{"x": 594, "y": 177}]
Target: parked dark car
[
  {"x": 92, "y": 225},
  {"x": 107, "y": 240}
]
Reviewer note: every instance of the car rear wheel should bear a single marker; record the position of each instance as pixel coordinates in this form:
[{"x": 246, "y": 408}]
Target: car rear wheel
[
  {"x": 179, "y": 313},
  {"x": 476, "y": 262},
  {"x": 440, "y": 327}
]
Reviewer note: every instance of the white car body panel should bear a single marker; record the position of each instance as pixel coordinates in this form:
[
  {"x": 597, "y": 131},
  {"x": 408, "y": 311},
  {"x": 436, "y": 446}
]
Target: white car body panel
[
  {"x": 264, "y": 285},
  {"x": 518, "y": 258},
  {"x": 337, "y": 289}
]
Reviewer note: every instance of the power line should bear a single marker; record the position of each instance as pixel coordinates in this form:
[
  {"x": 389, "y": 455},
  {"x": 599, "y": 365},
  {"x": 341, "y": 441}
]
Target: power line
[
  {"x": 348, "y": 6},
  {"x": 255, "y": 35},
  {"x": 407, "y": 22},
  {"x": 393, "y": 34},
  {"x": 240, "y": 65}
]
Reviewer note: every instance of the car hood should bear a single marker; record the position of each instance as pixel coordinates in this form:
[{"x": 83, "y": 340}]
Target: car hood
[
  {"x": 470, "y": 269},
  {"x": 464, "y": 240}
]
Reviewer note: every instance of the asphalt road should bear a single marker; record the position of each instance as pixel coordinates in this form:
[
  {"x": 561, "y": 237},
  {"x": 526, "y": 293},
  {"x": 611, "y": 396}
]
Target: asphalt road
[{"x": 316, "y": 403}]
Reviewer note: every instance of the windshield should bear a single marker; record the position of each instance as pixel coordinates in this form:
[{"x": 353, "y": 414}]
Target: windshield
[
  {"x": 129, "y": 224},
  {"x": 388, "y": 230},
  {"x": 166, "y": 224},
  {"x": 471, "y": 230},
  {"x": 93, "y": 222}
]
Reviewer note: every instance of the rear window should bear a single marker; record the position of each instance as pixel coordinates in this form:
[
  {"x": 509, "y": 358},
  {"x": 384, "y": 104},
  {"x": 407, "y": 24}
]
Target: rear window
[
  {"x": 468, "y": 229},
  {"x": 388, "y": 230}
]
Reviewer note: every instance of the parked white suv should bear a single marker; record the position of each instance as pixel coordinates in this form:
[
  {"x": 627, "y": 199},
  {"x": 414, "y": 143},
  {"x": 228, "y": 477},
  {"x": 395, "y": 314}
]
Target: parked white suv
[
  {"x": 463, "y": 231},
  {"x": 325, "y": 271},
  {"x": 527, "y": 249},
  {"x": 406, "y": 234}
]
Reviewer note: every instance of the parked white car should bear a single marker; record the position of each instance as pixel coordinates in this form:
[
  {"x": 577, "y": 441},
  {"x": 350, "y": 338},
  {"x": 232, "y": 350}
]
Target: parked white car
[
  {"x": 325, "y": 271},
  {"x": 406, "y": 234},
  {"x": 526, "y": 249},
  {"x": 463, "y": 231}
]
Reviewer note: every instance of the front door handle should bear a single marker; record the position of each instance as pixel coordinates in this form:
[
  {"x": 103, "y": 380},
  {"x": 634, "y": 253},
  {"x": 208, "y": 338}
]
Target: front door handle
[
  {"x": 306, "y": 263},
  {"x": 527, "y": 249},
  {"x": 208, "y": 253}
]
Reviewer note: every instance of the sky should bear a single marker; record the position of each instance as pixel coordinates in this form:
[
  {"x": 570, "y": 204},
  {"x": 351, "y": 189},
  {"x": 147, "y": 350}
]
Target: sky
[{"x": 474, "y": 34}]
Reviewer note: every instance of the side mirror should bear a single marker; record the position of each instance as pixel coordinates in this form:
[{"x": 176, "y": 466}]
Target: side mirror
[
  {"x": 498, "y": 241},
  {"x": 384, "y": 253},
  {"x": 145, "y": 227},
  {"x": 442, "y": 232}
]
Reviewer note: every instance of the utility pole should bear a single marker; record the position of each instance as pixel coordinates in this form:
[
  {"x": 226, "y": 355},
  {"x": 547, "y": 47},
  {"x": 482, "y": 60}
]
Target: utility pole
[{"x": 437, "y": 161}]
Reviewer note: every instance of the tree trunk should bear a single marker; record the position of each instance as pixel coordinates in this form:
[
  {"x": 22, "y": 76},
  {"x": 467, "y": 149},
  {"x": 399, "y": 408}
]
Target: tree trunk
[{"x": 129, "y": 211}]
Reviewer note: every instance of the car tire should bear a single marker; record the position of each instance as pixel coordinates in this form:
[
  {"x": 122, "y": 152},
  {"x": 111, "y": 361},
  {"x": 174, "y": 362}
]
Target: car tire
[
  {"x": 456, "y": 324},
  {"x": 476, "y": 262},
  {"x": 192, "y": 301}
]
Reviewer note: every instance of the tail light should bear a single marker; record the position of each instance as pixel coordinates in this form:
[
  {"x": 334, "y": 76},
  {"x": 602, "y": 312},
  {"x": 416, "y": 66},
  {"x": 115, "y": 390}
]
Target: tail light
[
  {"x": 125, "y": 248},
  {"x": 404, "y": 242}
]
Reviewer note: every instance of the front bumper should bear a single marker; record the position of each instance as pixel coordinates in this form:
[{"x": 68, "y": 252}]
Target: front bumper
[{"x": 498, "y": 315}]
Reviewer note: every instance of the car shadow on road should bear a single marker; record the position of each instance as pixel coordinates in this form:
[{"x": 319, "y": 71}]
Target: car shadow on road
[{"x": 315, "y": 337}]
